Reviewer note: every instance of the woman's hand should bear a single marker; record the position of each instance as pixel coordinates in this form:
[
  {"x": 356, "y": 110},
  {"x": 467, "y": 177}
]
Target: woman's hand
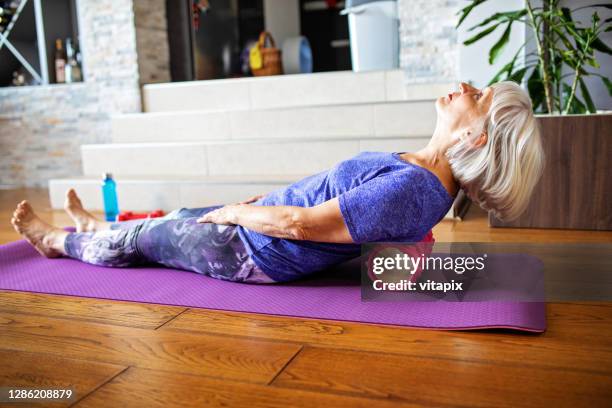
[
  {"x": 252, "y": 199},
  {"x": 225, "y": 215}
]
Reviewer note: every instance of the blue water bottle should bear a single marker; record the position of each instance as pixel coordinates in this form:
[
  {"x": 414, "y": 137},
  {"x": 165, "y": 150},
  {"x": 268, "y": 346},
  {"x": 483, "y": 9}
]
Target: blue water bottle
[{"x": 109, "y": 193}]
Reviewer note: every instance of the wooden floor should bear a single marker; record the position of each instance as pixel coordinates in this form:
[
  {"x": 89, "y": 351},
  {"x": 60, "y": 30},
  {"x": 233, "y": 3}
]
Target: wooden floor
[{"x": 120, "y": 354}]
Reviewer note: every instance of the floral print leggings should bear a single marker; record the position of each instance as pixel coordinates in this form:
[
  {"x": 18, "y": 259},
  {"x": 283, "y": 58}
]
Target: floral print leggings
[{"x": 175, "y": 241}]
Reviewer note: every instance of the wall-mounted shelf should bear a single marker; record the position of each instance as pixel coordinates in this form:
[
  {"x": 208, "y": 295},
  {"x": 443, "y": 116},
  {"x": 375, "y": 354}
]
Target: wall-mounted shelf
[{"x": 28, "y": 41}]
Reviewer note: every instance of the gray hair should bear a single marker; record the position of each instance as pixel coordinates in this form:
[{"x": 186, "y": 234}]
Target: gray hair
[{"x": 501, "y": 175}]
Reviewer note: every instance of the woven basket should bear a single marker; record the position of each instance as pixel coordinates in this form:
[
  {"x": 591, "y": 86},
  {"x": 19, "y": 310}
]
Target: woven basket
[{"x": 270, "y": 57}]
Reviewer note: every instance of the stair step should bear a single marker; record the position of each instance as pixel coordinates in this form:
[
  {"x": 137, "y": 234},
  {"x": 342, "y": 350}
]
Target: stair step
[
  {"x": 416, "y": 118},
  {"x": 168, "y": 193},
  {"x": 236, "y": 157},
  {"x": 327, "y": 88}
]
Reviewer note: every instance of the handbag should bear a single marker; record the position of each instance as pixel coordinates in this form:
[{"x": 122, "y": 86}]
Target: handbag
[{"x": 265, "y": 60}]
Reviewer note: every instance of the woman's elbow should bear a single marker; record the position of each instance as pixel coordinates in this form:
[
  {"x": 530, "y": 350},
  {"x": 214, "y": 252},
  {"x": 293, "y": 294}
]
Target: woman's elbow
[{"x": 298, "y": 227}]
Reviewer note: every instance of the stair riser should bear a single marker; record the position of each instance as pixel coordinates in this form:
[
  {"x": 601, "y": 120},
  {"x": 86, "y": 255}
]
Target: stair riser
[
  {"x": 151, "y": 195},
  {"x": 384, "y": 120},
  {"x": 240, "y": 158},
  {"x": 288, "y": 91}
]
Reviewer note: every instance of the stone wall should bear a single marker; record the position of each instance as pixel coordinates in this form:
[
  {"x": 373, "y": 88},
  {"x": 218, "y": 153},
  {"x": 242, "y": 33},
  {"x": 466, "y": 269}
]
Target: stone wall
[
  {"x": 42, "y": 127},
  {"x": 429, "y": 50},
  {"x": 152, "y": 41}
]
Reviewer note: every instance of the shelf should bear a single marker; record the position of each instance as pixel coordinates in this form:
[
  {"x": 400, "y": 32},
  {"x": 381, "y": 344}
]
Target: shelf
[
  {"x": 25, "y": 88},
  {"x": 29, "y": 40}
]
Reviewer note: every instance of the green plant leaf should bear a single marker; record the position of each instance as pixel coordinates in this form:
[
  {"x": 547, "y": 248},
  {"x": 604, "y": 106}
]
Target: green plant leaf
[
  {"x": 536, "y": 91},
  {"x": 518, "y": 75},
  {"x": 566, "y": 42},
  {"x": 608, "y": 84},
  {"x": 608, "y": 6},
  {"x": 464, "y": 12},
  {"x": 567, "y": 13},
  {"x": 509, "y": 15},
  {"x": 505, "y": 69},
  {"x": 577, "y": 106},
  {"x": 570, "y": 26},
  {"x": 508, "y": 68},
  {"x": 601, "y": 46},
  {"x": 592, "y": 62},
  {"x": 587, "y": 97},
  {"x": 500, "y": 44},
  {"x": 481, "y": 34}
]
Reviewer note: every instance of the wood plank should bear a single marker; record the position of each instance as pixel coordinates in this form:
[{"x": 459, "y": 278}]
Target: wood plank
[
  {"x": 578, "y": 336},
  {"x": 132, "y": 314},
  {"x": 439, "y": 382},
  {"x": 212, "y": 355},
  {"x": 47, "y": 371},
  {"x": 148, "y": 388}
]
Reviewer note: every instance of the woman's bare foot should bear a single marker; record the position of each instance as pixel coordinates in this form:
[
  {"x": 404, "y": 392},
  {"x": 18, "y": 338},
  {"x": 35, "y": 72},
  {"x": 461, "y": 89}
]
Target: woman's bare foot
[
  {"x": 84, "y": 220},
  {"x": 46, "y": 238}
]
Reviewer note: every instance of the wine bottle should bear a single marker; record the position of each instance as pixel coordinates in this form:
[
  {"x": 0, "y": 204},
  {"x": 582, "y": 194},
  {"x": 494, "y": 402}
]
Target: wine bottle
[
  {"x": 79, "y": 64},
  {"x": 73, "y": 70},
  {"x": 60, "y": 62},
  {"x": 69, "y": 56}
]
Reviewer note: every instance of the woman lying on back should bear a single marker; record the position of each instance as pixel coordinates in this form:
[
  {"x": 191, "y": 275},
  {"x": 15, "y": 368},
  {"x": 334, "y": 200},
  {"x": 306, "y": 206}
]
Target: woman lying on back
[{"x": 485, "y": 142}]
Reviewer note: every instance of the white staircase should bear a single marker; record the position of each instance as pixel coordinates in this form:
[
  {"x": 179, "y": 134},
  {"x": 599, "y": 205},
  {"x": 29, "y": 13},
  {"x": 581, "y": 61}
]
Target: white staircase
[{"x": 213, "y": 142}]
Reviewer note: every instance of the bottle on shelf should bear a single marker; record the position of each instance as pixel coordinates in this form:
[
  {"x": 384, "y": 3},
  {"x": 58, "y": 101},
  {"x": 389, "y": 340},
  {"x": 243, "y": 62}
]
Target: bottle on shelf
[
  {"x": 67, "y": 67},
  {"x": 6, "y": 12},
  {"x": 60, "y": 62},
  {"x": 78, "y": 62},
  {"x": 18, "y": 78},
  {"x": 73, "y": 70},
  {"x": 109, "y": 195}
]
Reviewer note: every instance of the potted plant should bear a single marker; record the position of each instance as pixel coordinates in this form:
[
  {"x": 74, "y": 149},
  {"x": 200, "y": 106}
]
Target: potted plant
[{"x": 575, "y": 190}]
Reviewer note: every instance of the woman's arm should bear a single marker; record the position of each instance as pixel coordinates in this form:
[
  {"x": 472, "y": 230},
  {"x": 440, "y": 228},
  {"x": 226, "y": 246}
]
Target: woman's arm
[
  {"x": 321, "y": 223},
  {"x": 252, "y": 199}
]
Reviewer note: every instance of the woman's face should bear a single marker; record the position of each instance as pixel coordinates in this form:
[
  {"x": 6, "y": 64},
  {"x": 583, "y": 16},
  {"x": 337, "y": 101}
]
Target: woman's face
[{"x": 461, "y": 110}]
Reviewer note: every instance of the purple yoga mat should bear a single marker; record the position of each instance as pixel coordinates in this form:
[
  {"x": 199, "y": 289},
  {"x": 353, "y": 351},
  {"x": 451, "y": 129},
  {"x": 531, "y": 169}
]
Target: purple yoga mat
[{"x": 335, "y": 296}]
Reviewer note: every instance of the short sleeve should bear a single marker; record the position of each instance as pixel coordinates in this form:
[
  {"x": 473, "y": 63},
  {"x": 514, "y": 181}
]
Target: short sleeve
[{"x": 386, "y": 208}]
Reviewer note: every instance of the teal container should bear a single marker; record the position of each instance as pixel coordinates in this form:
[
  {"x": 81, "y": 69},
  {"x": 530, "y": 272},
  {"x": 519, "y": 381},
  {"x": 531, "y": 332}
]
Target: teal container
[{"x": 109, "y": 195}]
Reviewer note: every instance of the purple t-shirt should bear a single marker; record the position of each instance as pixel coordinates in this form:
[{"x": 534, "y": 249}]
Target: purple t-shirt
[{"x": 382, "y": 198}]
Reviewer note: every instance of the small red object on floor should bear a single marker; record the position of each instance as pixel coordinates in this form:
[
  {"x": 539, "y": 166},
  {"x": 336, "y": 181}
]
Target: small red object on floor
[{"x": 129, "y": 215}]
